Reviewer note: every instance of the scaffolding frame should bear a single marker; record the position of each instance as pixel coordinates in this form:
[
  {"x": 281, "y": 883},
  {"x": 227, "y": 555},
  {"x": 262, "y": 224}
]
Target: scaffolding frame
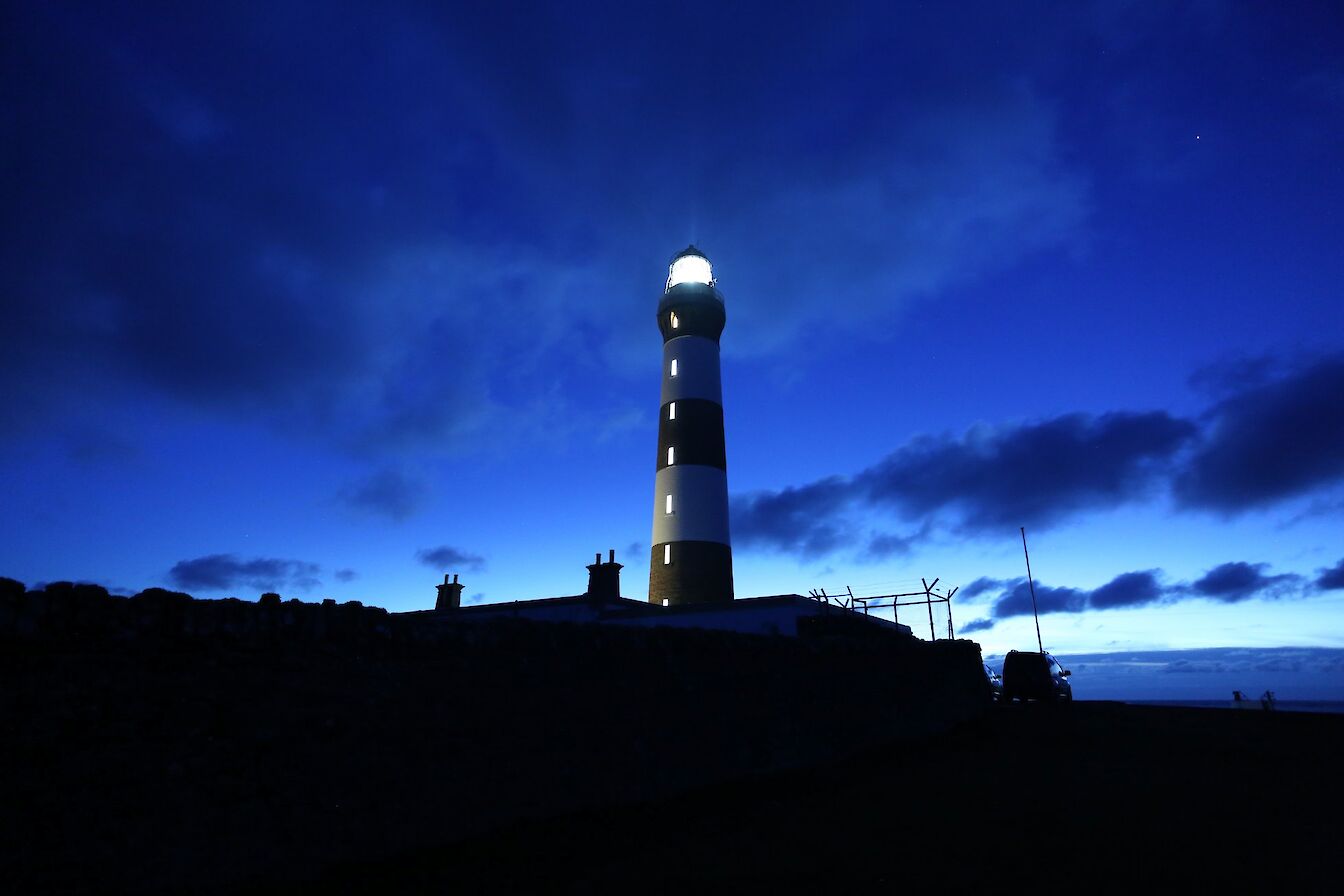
[{"x": 849, "y": 601}]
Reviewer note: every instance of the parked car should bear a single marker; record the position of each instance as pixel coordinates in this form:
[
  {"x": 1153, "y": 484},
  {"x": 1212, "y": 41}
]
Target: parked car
[
  {"x": 1028, "y": 675},
  {"x": 995, "y": 684}
]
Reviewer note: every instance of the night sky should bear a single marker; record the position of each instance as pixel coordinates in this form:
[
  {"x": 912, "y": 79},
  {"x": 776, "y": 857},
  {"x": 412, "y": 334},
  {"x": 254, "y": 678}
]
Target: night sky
[{"x": 332, "y": 300}]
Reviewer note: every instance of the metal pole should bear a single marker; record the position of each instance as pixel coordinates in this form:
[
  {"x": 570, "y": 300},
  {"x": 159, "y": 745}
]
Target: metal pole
[
  {"x": 1032, "y": 585},
  {"x": 928, "y": 602}
]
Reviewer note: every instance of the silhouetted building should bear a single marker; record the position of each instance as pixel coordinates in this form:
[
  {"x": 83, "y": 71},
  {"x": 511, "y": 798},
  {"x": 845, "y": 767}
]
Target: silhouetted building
[
  {"x": 691, "y": 560},
  {"x": 781, "y": 614}
]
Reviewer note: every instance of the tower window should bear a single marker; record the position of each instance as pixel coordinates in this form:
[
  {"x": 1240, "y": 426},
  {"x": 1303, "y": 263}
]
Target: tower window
[
  {"x": 675, "y": 322},
  {"x": 672, "y": 410},
  {"x": 668, "y": 504},
  {"x": 670, "y": 451},
  {"x": 664, "y": 601},
  {"x": 673, "y": 370},
  {"x": 667, "y": 554}
]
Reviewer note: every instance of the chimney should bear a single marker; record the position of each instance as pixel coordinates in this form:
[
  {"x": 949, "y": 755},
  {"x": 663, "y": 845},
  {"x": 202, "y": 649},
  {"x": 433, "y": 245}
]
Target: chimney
[
  {"x": 450, "y": 594},
  {"x": 604, "y": 579}
]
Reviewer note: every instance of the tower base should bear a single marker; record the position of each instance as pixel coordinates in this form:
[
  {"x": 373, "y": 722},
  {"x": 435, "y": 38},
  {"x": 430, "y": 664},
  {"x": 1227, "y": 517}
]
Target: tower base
[{"x": 701, "y": 572}]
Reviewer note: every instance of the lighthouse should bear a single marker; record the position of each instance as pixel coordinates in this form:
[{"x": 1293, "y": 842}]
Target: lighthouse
[{"x": 691, "y": 560}]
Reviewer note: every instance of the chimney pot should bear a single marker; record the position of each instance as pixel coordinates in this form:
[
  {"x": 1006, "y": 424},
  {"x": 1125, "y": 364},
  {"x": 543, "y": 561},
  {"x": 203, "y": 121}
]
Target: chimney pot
[
  {"x": 612, "y": 556},
  {"x": 604, "y": 579},
  {"x": 450, "y": 594}
]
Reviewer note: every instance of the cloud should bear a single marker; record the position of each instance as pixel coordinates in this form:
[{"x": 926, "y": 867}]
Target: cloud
[
  {"x": 1005, "y": 193},
  {"x": 1270, "y": 441},
  {"x": 882, "y": 545},
  {"x": 976, "y": 625},
  {"x": 1332, "y": 578},
  {"x": 390, "y": 493},
  {"x": 1017, "y": 600},
  {"x": 447, "y": 557},
  {"x": 1278, "y": 432},
  {"x": 802, "y": 520},
  {"x": 982, "y": 585},
  {"x": 1038, "y": 473},
  {"x": 1238, "y": 581},
  {"x": 345, "y": 575},
  {"x": 226, "y": 239},
  {"x": 1130, "y": 589},
  {"x": 1228, "y": 582},
  {"x": 986, "y": 479},
  {"x": 222, "y": 572}
]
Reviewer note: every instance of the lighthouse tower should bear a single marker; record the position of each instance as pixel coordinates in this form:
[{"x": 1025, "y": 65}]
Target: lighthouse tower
[{"x": 691, "y": 560}]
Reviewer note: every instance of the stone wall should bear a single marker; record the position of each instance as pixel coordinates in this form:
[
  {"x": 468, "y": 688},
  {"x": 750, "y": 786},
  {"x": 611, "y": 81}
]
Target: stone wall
[{"x": 164, "y": 742}]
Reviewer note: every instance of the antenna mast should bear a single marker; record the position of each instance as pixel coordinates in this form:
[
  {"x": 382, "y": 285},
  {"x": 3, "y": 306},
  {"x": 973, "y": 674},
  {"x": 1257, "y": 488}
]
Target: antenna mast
[{"x": 1032, "y": 585}]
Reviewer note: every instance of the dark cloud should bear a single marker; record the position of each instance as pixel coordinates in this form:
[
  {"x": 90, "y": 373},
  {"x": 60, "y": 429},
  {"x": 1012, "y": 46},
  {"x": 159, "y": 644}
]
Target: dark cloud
[
  {"x": 1238, "y": 581},
  {"x": 345, "y": 575},
  {"x": 1130, "y": 589},
  {"x": 309, "y": 252},
  {"x": 1331, "y": 579},
  {"x": 976, "y": 625},
  {"x": 884, "y": 544},
  {"x": 1017, "y": 600},
  {"x": 980, "y": 586},
  {"x": 988, "y": 479},
  {"x": 447, "y": 557},
  {"x": 803, "y": 520},
  {"x": 390, "y": 493},
  {"x": 1040, "y": 473},
  {"x": 1229, "y": 582},
  {"x": 1270, "y": 441},
  {"x": 222, "y": 572},
  {"x": 223, "y": 237}
]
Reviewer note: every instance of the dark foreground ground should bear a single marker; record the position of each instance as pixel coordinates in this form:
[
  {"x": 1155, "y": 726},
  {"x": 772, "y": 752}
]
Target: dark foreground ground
[
  {"x": 1092, "y": 797},
  {"x": 160, "y": 744}
]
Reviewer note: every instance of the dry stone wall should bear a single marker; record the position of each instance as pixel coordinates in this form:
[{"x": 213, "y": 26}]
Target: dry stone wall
[{"x": 235, "y": 741}]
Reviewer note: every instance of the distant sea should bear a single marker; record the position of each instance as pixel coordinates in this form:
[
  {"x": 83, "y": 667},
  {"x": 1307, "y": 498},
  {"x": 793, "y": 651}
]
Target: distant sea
[{"x": 1334, "y": 706}]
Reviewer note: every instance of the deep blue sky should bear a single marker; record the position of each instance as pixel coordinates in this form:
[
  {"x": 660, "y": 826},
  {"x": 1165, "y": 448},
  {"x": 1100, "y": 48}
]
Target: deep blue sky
[{"x": 334, "y": 300}]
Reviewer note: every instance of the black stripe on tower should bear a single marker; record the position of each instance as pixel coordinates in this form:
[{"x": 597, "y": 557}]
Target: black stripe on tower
[
  {"x": 701, "y": 572},
  {"x": 695, "y": 434},
  {"x": 698, "y": 310}
]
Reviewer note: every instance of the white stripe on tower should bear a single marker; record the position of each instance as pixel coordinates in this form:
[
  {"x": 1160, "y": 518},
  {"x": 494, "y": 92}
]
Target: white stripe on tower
[{"x": 697, "y": 362}]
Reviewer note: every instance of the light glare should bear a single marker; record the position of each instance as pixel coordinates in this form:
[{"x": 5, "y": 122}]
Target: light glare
[{"x": 690, "y": 269}]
